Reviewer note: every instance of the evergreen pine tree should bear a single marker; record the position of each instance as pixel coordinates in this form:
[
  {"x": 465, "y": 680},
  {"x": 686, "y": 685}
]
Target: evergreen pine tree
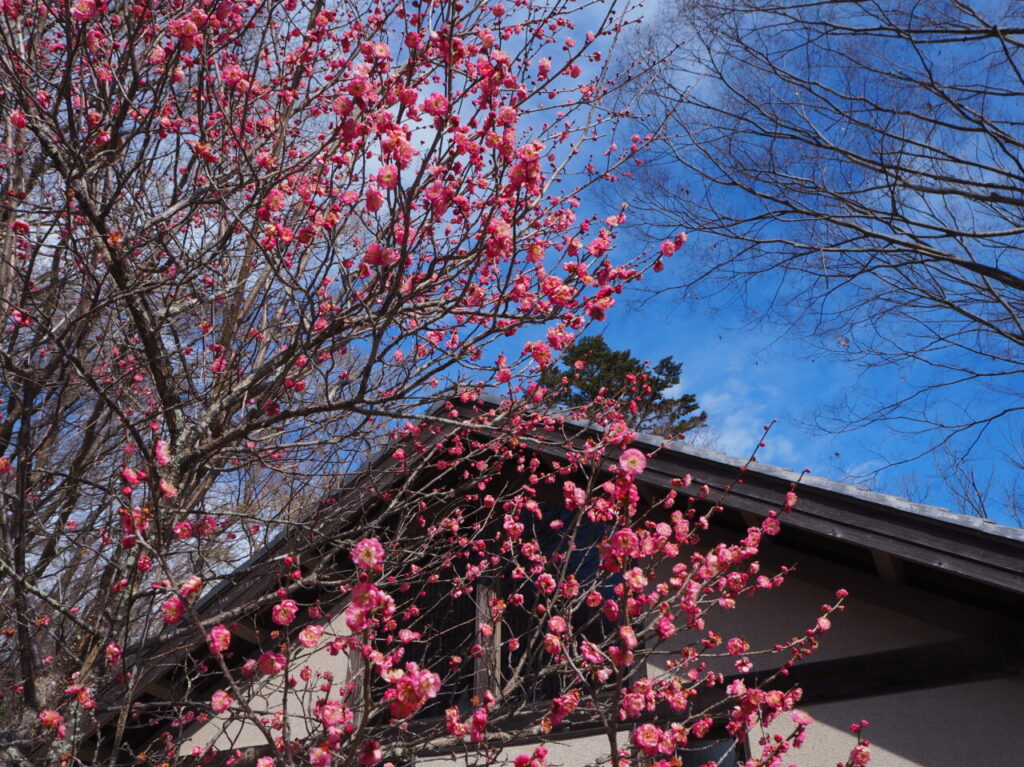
[{"x": 609, "y": 371}]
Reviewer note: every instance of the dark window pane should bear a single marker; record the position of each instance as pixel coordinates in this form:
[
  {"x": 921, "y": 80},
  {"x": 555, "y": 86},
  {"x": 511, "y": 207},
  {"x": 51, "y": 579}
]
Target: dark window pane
[{"x": 701, "y": 752}]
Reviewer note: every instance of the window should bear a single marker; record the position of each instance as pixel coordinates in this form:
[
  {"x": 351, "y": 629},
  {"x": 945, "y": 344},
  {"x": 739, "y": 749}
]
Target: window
[
  {"x": 447, "y": 628},
  {"x": 566, "y": 547},
  {"x": 725, "y": 753}
]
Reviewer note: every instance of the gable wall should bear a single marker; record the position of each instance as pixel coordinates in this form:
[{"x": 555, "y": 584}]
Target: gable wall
[
  {"x": 223, "y": 732},
  {"x": 878, "y": 615},
  {"x": 956, "y": 726}
]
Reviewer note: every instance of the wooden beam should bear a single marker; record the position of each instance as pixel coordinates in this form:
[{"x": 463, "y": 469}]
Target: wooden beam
[
  {"x": 246, "y": 632},
  {"x": 750, "y": 519},
  {"x": 159, "y": 690},
  {"x": 888, "y": 566}
]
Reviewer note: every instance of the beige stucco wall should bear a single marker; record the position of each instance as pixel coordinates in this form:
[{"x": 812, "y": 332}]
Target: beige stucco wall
[
  {"x": 878, "y": 615},
  {"x": 269, "y": 695},
  {"x": 586, "y": 751},
  {"x": 932, "y": 728},
  {"x": 963, "y": 725},
  {"x": 957, "y": 726}
]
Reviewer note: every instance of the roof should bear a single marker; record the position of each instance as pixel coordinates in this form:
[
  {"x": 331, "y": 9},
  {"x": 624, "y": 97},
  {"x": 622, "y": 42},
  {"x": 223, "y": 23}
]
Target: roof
[
  {"x": 925, "y": 546},
  {"x": 843, "y": 516},
  {"x": 935, "y": 538},
  {"x": 685, "y": 450}
]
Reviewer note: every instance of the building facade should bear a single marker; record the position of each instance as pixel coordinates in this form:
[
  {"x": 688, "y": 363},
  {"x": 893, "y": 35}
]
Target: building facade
[{"x": 929, "y": 648}]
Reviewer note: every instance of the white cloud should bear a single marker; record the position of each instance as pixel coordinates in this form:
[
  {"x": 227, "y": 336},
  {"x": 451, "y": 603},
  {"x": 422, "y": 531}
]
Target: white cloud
[
  {"x": 737, "y": 413},
  {"x": 674, "y": 391}
]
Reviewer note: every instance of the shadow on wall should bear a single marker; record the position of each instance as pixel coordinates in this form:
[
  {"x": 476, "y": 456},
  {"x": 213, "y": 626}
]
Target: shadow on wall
[{"x": 966, "y": 724}]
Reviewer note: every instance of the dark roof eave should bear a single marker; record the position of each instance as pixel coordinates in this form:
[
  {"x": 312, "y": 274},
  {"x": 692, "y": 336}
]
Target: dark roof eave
[{"x": 973, "y": 548}]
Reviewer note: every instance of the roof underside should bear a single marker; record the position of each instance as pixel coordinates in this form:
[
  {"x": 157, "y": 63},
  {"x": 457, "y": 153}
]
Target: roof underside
[{"x": 958, "y": 555}]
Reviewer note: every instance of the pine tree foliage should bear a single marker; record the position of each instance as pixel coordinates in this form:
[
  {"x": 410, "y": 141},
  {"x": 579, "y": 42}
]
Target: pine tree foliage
[{"x": 593, "y": 369}]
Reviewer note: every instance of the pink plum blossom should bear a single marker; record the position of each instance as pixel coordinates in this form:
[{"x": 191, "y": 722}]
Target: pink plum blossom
[
  {"x": 435, "y": 104},
  {"x": 648, "y": 738},
  {"x": 191, "y": 586},
  {"x": 271, "y": 663},
  {"x": 221, "y": 701},
  {"x": 52, "y": 720},
  {"x": 219, "y": 638},
  {"x": 478, "y": 725},
  {"x": 454, "y": 724},
  {"x": 172, "y": 610},
  {"x": 167, "y": 490},
  {"x": 632, "y": 461},
  {"x": 113, "y": 653},
  {"x": 368, "y": 554},
  {"x": 412, "y": 688},
  {"x": 284, "y": 612},
  {"x": 333, "y": 713},
  {"x": 310, "y": 636}
]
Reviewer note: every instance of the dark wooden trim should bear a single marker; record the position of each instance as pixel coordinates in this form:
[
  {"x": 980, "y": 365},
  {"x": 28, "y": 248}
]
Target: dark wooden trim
[
  {"x": 938, "y": 543},
  {"x": 914, "y": 668}
]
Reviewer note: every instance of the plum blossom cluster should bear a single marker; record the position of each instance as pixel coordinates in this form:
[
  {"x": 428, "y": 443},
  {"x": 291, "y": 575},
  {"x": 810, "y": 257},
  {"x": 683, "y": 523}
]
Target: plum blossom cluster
[
  {"x": 250, "y": 244},
  {"x": 410, "y": 689}
]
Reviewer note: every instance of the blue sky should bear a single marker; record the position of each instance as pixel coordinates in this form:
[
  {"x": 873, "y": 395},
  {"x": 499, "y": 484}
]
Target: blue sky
[
  {"x": 742, "y": 378},
  {"x": 746, "y": 377}
]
